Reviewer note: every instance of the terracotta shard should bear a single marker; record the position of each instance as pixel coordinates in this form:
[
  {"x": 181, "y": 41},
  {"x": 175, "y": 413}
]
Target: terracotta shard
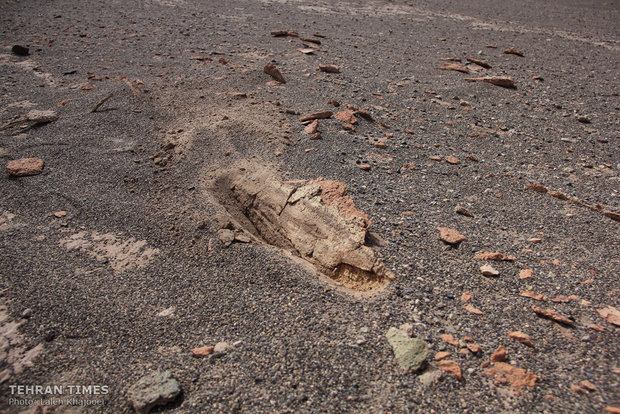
[
  {"x": 271, "y": 70},
  {"x": 316, "y": 115},
  {"x": 453, "y": 66},
  {"x": 450, "y": 236},
  {"x": 479, "y": 62},
  {"x": 521, "y": 337},
  {"x": 533, "y": 295},
  {"x": 553, "y": 315},
  {"x": 471, "y": 309},
  {"x": 499, "y": 355},
  {"x": 451, "y": 367},
  {"x": 312, "y": 127}
]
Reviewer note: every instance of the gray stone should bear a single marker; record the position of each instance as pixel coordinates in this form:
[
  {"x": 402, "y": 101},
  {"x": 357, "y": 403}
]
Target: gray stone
[
  {"x": 410, "y": 353},
  {"x": 157, "y": 388},
  {"x": 430, "y": 377},
  {"x": 222, "y": 347},
  {"x": 226, "y": 236}
]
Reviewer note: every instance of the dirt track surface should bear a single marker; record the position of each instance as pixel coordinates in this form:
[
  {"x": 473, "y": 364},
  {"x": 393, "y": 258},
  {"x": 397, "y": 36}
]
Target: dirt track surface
[{"x": 82, "y": 294}]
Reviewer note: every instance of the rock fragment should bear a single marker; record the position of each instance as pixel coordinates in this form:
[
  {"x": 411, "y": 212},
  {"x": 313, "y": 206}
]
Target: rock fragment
[
  {"x": 503, "y": 81},
  {"x": 20, "y": 50},
  {"x": 469, "y": 308},
  {"x": 157, "y": 388},
  {"x": 316, "y": 115},
  {"x": 484, "y": 255},
  {"x": 521, "y": 337},
  {"x": 450, "y": 236},
  {"x": 271, "y": 70},
  {"x": 312, "y": 127},
  {"x": 553, "y": 315},
  {"x": 329, "y": 68},
  {"x": 449, "y": 339},
  {"x": 450, "y": 159},
  {"x": 463, "y": 211},
  {"x": 453, "y": 66},
  {"x": 513, "y": 51},
  {"x": 442, "y": 355},
  {"x": 479, "y": 63},
  {"x": 346, "y": 117},
  {"x": 517, "y": 378},
  {"x": 283, "y": 33},
  {"x": 610, "y": 314},
  {"x": 488, "y": 270},
  {"x": 525, "y": 274},
  {"x": 499, "y": 355},
  {"x": 365, "y": 167},
  {"x": 226, "y": 236},
  {"x": 222, "y": 348},
  {"x": 25, "y": 167},
  {"x": 410, "y": 353},
  {"x": 533, "y": 295},
  {"x": 539, "y": 188},
  {"x": 202, "y": 351},
  {"x": 451, "y": 367}
]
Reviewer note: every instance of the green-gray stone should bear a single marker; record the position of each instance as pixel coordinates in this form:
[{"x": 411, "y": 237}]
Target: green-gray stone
[
  {"x": 410, "y": 353},
  {"x": 157, "y": 388}
]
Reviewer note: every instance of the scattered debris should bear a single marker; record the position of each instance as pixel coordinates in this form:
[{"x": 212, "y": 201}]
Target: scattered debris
[
  {"x": 450, "y": 236},
  {"x": 158, "y": 388},
  {"x": 316, "y": 115},
  {"x": 610, "y": 314},
  {"x": 518, "y": 378},
  {"x": 410, "y": 353},
  {"x": 479, "y": 63},
  {"x": 512, "y": 51},
  {"x": 202, "y": 351},
  {"x": 453, "y": 66},
  {"x": 271, "y": 70},
  {"x": 503, "y": 81},
  {"x": 521, "y": 337},
  {"x": 283, "y": 33},
  {"x": 533, "y": 295},
  {"x": 329, "y": 68},
  {"x": 20, "y": 50},
  {"x": 484, "y": 255},
  {"x": 551, "y": 314},
  {"x": 488, "y": 270},
  {"x": 451, "y": 367},
  {"x": 25, "y": 167}
]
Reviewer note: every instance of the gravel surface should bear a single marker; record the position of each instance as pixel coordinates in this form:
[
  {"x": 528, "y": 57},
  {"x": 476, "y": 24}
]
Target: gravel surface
[{"x": 111, "y": 267}]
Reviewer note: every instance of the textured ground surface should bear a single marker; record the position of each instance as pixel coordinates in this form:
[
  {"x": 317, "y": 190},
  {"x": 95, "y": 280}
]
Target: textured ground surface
[{"x": 82, "y": 294}]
